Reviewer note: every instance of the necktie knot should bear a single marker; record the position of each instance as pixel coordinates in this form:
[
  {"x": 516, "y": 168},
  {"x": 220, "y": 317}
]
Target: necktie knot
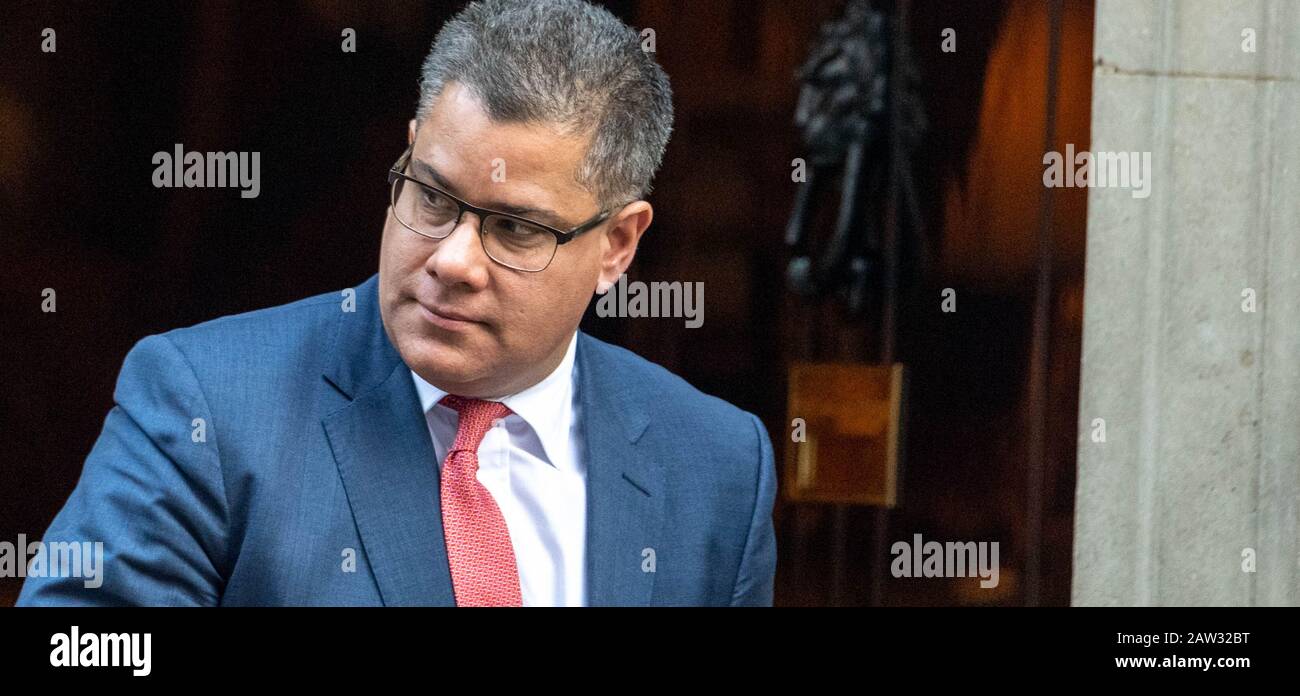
[{"x": 476, "y": 418}]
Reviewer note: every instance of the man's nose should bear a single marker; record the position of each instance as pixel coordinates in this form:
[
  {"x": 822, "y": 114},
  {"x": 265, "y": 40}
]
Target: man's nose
[{"x": 459, "y": 257}]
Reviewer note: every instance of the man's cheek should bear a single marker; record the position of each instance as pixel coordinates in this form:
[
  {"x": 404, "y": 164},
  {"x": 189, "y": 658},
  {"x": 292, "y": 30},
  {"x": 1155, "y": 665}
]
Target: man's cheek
[{"x": 407, "y": 257}]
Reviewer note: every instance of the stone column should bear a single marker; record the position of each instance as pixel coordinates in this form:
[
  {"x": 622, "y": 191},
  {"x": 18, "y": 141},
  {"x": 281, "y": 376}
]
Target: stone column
[{"x": 1191, "y": 344}]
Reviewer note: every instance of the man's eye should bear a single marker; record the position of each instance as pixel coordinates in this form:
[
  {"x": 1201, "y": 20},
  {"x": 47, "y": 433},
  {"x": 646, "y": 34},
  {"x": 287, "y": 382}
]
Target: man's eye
[
  {"x": 436, "y": 202},
  {"x": 519, "y": 229}
]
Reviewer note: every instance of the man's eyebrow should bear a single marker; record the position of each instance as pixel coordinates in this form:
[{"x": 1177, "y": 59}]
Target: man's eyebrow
[{"x": 549, "y": 217}]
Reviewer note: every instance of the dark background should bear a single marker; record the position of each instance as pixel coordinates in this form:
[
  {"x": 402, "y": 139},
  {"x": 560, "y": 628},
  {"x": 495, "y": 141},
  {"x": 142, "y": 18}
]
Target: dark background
[{"x": 78, "y": 213}]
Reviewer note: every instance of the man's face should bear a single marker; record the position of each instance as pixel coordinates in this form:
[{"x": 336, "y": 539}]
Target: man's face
[{"x": 461, "y": 321}]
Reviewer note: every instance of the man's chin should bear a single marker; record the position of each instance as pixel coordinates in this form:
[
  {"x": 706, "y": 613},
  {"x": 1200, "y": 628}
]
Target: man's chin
[{"x": 446, "y": 366}]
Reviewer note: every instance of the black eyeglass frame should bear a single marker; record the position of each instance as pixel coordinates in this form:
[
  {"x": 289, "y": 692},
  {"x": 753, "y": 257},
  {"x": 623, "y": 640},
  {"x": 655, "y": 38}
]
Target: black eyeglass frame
[{"x": 398, "y": 171}]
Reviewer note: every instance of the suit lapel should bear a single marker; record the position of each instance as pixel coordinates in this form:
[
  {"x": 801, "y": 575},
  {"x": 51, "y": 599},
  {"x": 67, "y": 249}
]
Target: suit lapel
[
  {"x": 386, "y": 460},
  {"x": 625, "y": 486}
]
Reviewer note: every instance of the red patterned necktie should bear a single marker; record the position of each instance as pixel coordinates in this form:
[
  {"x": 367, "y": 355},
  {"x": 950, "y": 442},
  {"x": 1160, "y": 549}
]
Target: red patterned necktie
[{"x": 482, "y": 559}]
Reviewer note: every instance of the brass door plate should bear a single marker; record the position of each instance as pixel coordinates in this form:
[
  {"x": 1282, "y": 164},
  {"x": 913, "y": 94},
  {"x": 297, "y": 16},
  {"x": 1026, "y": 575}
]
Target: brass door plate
[{"x": 851, "y": 417}]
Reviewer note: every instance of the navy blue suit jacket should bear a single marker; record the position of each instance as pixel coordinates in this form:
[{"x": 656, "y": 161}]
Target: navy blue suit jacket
[{"x": 312, "y": 447}]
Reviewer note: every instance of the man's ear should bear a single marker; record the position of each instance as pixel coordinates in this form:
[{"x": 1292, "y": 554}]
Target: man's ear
[
  {"x": 620, "y": 241},
  {"x": 410, "y": 132}
]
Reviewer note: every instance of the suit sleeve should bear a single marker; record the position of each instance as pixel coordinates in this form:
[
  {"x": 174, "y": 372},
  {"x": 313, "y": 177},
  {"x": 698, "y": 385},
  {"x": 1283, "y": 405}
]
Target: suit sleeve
[
  {"x": 757, "y": 572},
  {"x": 151, "y": 491}
]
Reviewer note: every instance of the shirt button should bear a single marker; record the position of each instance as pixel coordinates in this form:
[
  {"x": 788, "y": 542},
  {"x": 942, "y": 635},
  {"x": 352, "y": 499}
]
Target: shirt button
[{"x": 497, "y": 422}]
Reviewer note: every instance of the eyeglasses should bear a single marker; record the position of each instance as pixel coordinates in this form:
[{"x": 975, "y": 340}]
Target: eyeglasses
[{"x": 510, "y": 240}]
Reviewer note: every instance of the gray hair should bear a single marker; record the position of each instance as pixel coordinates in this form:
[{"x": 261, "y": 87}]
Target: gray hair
[{"x": 567, "y": 64}]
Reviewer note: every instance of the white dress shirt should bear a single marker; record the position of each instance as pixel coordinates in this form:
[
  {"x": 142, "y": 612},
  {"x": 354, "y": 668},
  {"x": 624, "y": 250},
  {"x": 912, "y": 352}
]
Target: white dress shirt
[{"x": 533, "y": 463}]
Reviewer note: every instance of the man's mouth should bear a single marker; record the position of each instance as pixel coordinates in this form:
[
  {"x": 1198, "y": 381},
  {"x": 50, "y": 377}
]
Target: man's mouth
[{"x": 445, "y": 317}]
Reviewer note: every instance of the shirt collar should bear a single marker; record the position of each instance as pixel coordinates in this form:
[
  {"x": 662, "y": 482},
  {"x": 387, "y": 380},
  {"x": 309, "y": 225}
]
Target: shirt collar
[{"x": 547, "y": 407}]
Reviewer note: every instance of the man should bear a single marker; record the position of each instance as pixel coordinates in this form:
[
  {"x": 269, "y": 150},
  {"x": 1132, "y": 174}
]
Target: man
[{"x": 442, "y": 434}]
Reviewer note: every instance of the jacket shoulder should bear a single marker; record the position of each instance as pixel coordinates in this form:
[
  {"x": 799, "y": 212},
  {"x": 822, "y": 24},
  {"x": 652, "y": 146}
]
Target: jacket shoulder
[
  {"x": 238, "y": 358},
  {"x": 262, "y": 327},
  {"x": 670, "y": 397}
]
